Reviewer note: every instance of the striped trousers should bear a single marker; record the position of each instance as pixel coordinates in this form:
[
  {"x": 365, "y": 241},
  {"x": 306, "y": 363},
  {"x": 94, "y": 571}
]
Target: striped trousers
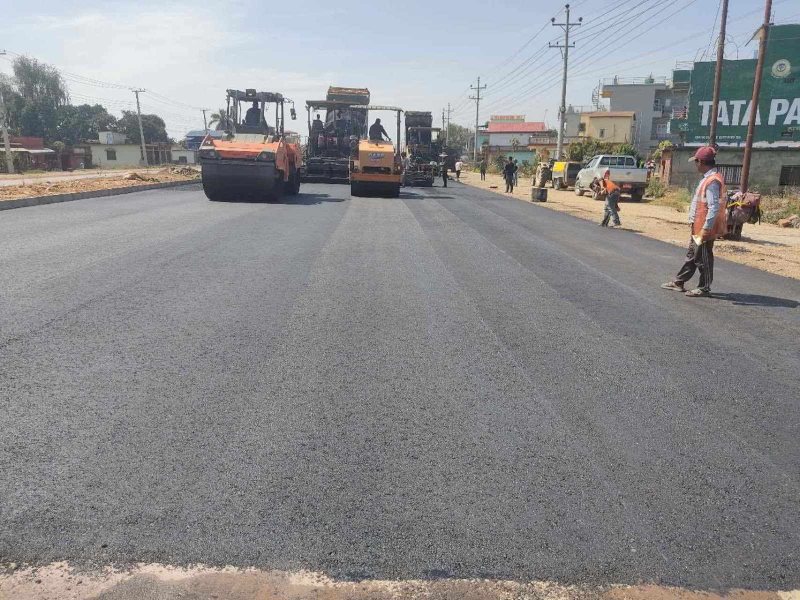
[{"x": 698, "y": 258}]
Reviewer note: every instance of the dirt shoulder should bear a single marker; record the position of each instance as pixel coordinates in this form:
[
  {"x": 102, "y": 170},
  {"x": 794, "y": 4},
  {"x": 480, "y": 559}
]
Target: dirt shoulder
[
  {"x": 36, "y": 188},
  {"x": 767, "y": 247}
]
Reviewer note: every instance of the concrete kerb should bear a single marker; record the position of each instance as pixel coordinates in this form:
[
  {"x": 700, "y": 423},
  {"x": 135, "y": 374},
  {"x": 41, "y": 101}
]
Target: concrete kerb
[{"x": 53, "y": 199}]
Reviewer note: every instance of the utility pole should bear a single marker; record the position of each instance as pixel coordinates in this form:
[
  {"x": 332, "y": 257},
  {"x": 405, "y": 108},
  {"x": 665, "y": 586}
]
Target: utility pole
[
  {"x": 477, "y": 98},
  {"x": 4, "y": 124},
  {"x": 712, "y": 133},
  {"x": 141, "y": 131},
  {"x": 562, "y": 111},
  {"x": 442, "y": 118},
  {"x": 751, "y": 125},
  {"x": 205, "y": 123},
  {"x": 447, "y": 128}
]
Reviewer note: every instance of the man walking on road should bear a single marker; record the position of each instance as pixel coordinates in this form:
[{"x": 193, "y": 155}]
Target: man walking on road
[
  {"x": 707, "y": 222},
  {"x": 483, "y": 169},
  {"x": 459, "y": 164},
  {"x": 508, "y": 175},
  {"x": 444, "y": 173}
]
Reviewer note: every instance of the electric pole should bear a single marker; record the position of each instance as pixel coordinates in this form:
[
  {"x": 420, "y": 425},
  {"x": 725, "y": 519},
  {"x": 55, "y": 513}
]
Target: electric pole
[
  {"x": 712, "y": 133},
  {"x": 751, "y": 125},
  {"x": 562, "y": 111},
  {"x": 447, "y": 128},
  {"x": 205, "y": 123},
  {"x": 4, "y": 124},
  {"x": 141, "y": 131},
  {"x": 477, "y": 98}
]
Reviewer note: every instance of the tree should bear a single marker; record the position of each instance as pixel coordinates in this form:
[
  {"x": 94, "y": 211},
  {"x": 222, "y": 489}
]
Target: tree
[
  {"x": 626, "y": 149},
  {"x": 586, "y": 148},
  {"x": 78, "y": 124},
  {"x": 59, "y": 148},
  {"x": 153, "y": 126},
  {"x": 220, "y": 118},
  {"x": 514, "y": 144},
  {"x": 39, "y": 92},
  {"x": 458, "y": 137}
]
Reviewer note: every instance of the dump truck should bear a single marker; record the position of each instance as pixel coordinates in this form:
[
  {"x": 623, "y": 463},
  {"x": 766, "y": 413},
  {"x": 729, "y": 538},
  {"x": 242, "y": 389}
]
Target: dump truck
[
  {"x": 253, "y": 160},
  {"x": 375, "y": 166},
  {"x": 423, "y": 147},
  {"x": 328, "y": 150}
]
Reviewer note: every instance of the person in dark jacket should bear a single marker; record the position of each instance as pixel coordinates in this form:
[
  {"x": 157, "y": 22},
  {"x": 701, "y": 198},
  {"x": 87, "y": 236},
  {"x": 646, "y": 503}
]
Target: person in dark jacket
[
  {"x": 444, "y": 174},
  {"x": 377, "y": 132},
  {"x": 483, "y": 169},
  {"x": 508, "y": 175}
]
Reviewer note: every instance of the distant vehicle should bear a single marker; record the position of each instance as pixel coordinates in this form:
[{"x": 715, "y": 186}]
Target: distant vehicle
[
  {"x": 252, "y": 159},
  {"x": 622, "y": 170},
  {"x": 423, "y": 148},
  {"x": 564, "y": 174},
  {"x": 375, "y": 166},
  {"x": 328, "y": 150}
]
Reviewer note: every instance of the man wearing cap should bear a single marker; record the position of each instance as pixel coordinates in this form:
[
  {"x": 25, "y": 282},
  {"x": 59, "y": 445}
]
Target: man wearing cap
[{"x": 707, "y": 221}]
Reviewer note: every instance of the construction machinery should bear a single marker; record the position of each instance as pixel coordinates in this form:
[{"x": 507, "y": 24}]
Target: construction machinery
[
  {"x": 253, "y": 160},
  {"x": 328, "y": 150},
  {"x": 375, "y": 166},
  {"x": 423, "y": 147}
]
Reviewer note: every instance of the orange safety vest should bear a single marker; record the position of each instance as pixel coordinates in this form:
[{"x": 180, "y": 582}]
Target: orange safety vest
[
  {"x": 720, "y": 225},
  {"x": 609, "y": 185}
]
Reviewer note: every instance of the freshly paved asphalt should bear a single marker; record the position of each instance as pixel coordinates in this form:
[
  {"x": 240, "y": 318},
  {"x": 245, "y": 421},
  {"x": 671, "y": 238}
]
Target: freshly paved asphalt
[{"x": 449, "y": 384}]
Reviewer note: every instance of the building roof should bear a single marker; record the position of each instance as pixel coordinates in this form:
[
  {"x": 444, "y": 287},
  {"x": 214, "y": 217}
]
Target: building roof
[
  {"x": 611, "y": 113},
  {"x": 504, "y": 127},
  {"x": 202, "y": 133}
]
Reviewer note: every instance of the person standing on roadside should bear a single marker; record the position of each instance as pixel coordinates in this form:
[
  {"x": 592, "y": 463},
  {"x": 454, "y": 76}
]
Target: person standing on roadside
[
  {"x": 610, "y": 191},
  {"x": 459, "y": 164},
  {"x": 508, "y": 175},
  {"x": 707, "y": 222},
  {"x": 483, "y": 169},
  {"x": 444, "y": 173}
]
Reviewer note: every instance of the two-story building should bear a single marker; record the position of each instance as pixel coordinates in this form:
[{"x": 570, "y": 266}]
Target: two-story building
[{"x": 510, "y": 135}]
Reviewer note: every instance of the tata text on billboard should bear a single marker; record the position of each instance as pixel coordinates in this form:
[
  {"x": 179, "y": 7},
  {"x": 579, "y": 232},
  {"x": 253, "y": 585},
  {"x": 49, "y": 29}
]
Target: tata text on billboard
[{"x": 778, "y": 114}]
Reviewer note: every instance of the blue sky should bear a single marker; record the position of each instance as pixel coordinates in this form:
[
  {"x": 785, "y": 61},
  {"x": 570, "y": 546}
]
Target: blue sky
[{"x": 418, "y": 55}]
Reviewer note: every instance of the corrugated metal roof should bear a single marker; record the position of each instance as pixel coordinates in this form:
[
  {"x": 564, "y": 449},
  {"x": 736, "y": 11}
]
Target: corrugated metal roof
[{"x": 500, "y": 127}]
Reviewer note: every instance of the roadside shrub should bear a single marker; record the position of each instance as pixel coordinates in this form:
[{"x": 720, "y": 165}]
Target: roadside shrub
[
  {"x": 526, "y": 168},
  {"x": 655, "y": 188},
  {"x": 780, "y": 206}
]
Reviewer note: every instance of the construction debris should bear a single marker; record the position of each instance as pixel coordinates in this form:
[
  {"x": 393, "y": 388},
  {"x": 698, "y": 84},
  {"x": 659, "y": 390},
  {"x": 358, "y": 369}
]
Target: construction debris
[{"x": 793, "y": 221}]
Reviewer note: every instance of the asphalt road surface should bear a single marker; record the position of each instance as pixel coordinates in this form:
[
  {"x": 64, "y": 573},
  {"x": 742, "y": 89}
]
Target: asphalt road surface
[{"x": 449, "y": 384}]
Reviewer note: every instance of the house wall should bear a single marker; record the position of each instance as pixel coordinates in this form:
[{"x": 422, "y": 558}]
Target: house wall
[
  {"x": 617, "y": 129},
  {"x": 128, "y": 155},
  {"x": 504, "y": 139},
  {"x": 640, "y": 99},
  {"x": 189, "y": 154},
  {"x": 765, "y": 166}
]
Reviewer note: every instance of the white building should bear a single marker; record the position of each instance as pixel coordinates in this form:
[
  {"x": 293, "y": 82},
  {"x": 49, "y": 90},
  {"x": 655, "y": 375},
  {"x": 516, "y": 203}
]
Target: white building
[{"x": 111, "y": 150}]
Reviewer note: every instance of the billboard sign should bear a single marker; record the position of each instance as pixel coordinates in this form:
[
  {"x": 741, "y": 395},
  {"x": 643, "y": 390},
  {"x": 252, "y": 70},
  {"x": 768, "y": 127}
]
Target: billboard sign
[{"x": 778, "y": 112}]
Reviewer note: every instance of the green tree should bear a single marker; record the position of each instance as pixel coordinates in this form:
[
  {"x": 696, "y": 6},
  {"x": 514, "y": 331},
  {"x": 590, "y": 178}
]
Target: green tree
[
  {"x": 59, "y": 148},
  {"x": 626, "y": 149},
  {"x": 39, "y": 92},
  {"x": 153, "y": 126},
  {"x": 78, "y": 124},
  {"x": 586, "y": 148},
  {"x": 220, "y": 119},
  {"x": 514, "y": 144},
  {"x": 458, "y": 137}
]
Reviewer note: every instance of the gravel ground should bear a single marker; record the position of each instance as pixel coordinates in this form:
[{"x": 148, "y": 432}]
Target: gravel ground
[{"x": 451, "y": 384}]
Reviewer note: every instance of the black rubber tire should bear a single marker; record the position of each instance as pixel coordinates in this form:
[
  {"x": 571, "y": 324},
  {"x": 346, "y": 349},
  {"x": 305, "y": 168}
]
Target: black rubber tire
[
  {"x": 213, "y": 193},
  {"x": 578, "y": 190},
  {"x": 637, "y": 197}
]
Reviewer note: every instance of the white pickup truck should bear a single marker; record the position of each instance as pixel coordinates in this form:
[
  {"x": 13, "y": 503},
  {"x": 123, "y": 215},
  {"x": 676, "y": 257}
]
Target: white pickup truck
[{"x": 623, "y": 172}]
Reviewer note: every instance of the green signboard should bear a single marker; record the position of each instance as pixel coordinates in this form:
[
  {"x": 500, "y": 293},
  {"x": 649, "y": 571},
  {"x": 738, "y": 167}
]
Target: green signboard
[{"x": 778, "y": 116}]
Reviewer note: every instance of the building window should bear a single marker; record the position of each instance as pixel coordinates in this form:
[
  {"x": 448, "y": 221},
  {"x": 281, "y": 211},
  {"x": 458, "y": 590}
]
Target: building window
[
  {"x": 182, "y": 160},
  {"x": 790, "y": 175},
  {"x": 111, "y": 154},
  {"x": 602, "y": 133}
]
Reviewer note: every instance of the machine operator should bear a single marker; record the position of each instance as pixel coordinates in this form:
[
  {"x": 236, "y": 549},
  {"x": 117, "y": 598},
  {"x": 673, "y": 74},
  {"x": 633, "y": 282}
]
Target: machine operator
[{"x": 377, "y": 132}]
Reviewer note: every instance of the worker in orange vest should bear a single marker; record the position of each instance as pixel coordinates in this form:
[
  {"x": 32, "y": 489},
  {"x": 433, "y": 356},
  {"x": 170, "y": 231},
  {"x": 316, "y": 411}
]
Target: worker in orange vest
[
  {"x": 707, "y": 221},
  {"x": 610, "y": 191}
]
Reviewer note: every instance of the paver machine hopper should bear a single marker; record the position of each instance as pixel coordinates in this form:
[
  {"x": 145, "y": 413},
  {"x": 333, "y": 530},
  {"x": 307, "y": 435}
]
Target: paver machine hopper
[
  {"x": 328, "y": 150},
  {"x": 423, "y": 147},
  {"x": 253, "y": 160}
]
